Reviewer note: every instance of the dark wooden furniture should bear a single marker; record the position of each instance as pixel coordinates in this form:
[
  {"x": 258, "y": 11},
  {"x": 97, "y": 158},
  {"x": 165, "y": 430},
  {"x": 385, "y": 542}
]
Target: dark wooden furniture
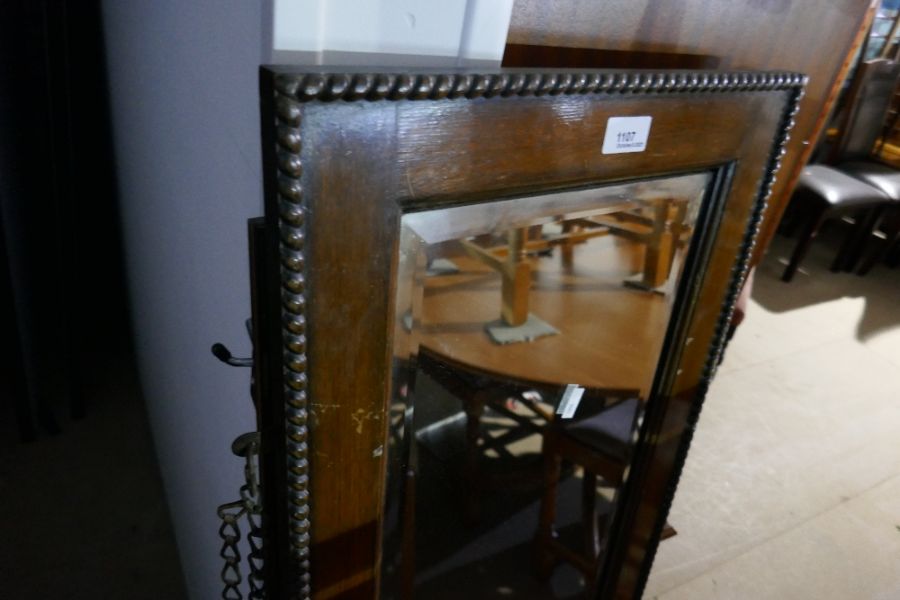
[
  {"x": 601, "y": 445},
  {"x": 825, "y": 193},
  {"x": 348, "y": 156},
  {"x": 887, "y": 244},
  {"x": 863, "y": 118},
  {"x": 759, "y": 34},
  {"x": 856, "y": 184}
]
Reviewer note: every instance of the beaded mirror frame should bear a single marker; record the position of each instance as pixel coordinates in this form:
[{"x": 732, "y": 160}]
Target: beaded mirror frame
[{"x": 346, "y": 154}]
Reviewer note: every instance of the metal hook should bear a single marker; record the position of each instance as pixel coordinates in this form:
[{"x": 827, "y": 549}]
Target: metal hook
[{"x": 224, "y": 354}]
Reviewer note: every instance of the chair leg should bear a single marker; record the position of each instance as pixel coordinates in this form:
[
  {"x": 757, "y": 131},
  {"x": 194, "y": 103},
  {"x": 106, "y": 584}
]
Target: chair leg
[
  {"x": 853, "y": 247},
  {"x": 883, "y": 249},
  {"x": 589, "y": 516},
  {"x": 874, "y": 255},
  {"x": 791, "y": 220},
  {"x": 474, "y": 409},
  {"x": 567, "y": 247},
  {"x": 544, "y": 558},
  {"x": 809, "y": 234},
  {"x": 893, "y": 254},
  {"x": 408, "y": 542}
]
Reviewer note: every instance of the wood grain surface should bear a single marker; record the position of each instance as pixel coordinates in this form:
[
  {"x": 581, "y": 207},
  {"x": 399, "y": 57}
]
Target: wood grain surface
[
  {"x": 806, "y": 36},
  {"x": 343, "y": 163}
]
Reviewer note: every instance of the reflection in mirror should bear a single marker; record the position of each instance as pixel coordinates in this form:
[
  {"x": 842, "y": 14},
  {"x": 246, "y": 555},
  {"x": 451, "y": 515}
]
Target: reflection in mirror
[{"x": 527, "y": 334}]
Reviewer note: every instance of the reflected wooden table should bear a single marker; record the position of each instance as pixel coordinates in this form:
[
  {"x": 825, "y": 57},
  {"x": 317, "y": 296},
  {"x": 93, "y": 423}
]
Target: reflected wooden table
[{"x": 609, "y": 335}]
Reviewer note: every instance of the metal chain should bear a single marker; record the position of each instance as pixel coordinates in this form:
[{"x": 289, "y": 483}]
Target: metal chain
[
  {"x": 231, "y": 535},
  {"x": 250, "y": 505},
  {"x": 252, "y": 498}
]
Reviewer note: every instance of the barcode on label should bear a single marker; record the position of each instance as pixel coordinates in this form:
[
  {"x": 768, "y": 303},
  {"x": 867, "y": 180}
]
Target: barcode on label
[{"x": 626, "y": 134}]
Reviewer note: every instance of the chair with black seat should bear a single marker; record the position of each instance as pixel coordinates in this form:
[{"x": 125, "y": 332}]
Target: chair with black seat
[
  {"x": 601, "y": 445},
  {"x": 826, "y": 193},
  {"x": 854, "y": 153},
  {"x": 856, "y": 184}
]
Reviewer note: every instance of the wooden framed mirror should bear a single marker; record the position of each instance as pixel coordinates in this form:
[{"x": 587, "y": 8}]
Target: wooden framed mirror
[{"x": 487, "y": 309}]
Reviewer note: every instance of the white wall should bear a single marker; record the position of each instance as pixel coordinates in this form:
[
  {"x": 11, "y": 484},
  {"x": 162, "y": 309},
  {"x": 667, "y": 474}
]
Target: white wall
[
  {"x": 413, "y": 31},
  {"x": 183, "y": 84}
]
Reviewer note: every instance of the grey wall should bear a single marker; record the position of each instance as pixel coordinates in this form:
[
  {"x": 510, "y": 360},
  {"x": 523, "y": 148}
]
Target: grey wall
[{"x": 183, "y": 84}]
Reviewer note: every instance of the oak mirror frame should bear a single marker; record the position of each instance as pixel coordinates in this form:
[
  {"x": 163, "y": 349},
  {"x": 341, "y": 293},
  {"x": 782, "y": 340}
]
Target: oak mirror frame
[{"x": 351, "y": 159}]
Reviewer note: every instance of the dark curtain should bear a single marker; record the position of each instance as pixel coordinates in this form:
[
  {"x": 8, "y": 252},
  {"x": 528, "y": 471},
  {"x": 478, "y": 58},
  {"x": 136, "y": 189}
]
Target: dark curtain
[{"x": 61, "y": 275}]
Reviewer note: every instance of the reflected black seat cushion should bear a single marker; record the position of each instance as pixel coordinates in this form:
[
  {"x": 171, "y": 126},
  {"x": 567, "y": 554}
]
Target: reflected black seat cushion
[
  {"x": 837, "y": 188},
  {"x": 881, "y": 176},
  {"x": 609, "y": 431}
]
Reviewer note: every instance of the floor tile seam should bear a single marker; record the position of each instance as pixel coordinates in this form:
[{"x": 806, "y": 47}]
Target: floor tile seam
[{"x": 840, "y": 504}]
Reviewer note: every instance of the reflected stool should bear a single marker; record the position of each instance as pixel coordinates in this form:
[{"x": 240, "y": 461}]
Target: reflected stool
[{"x": 601, "y": 445}]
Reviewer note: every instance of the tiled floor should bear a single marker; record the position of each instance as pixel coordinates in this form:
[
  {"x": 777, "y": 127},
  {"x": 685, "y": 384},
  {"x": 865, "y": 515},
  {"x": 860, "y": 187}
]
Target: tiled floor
[{"x": 792, "y": 486}]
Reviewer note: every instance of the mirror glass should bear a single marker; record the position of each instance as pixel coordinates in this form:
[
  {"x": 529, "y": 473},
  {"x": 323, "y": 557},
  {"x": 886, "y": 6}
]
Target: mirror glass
[{"x": 527, "y": 333}]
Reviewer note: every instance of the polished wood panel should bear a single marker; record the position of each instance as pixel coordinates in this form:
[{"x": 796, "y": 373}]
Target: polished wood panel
[
  {"x": 807, "y": 36},
  {"x": 531, "y": 55}
]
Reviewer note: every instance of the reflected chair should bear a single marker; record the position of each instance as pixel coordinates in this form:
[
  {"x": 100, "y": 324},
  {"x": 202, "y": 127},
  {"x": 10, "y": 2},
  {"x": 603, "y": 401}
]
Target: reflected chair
[
  {"x": 857, "y": 184},
  {"x": 478, "y": 392},
  {"x": 601, "y": 445}
]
